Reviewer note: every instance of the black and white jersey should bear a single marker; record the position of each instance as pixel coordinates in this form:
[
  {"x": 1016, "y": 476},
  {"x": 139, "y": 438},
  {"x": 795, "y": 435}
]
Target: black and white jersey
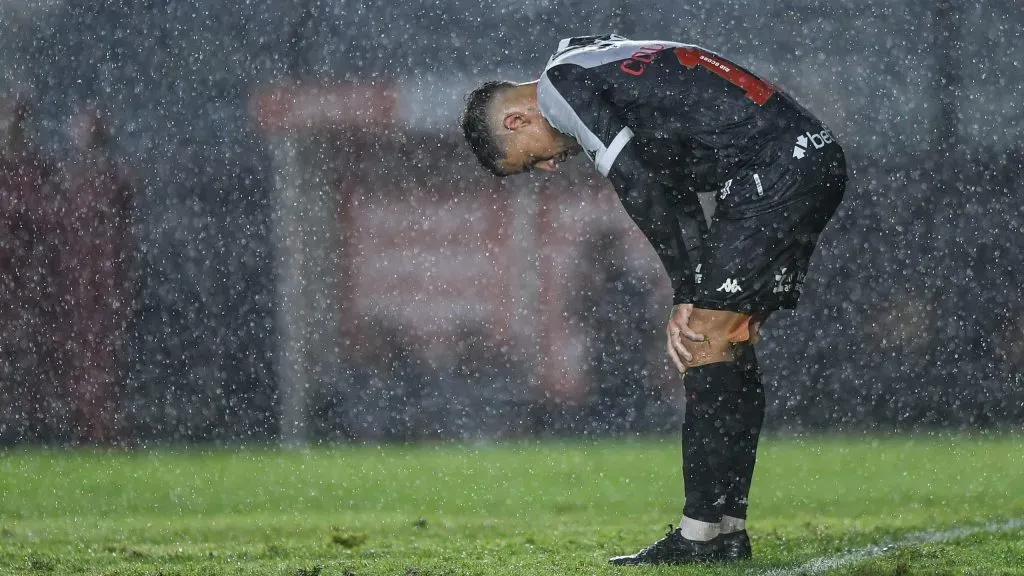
[{"x": 665, "y": 120}]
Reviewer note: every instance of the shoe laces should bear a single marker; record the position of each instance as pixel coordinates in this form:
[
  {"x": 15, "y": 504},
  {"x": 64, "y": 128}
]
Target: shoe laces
[{"x": 657, "y": 545}]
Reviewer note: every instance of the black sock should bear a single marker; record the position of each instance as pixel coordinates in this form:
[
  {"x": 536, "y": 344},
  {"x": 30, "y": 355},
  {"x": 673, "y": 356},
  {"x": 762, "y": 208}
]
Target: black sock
[
  {"x": 708, "y": 428},
  {"x": 747, "y": 406}
]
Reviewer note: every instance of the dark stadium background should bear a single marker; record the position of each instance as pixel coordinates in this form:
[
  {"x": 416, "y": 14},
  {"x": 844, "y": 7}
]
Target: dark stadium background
[{"x": 255, "y": 221}]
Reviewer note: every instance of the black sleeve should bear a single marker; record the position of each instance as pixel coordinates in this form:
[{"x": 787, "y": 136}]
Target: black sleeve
[
  {"x": 654, "y": 209},
  {"x": 574, "y": 104}
]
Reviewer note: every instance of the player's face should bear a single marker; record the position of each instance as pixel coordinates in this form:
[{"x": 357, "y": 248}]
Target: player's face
[
  {"x": 547, "y": 159},
  {"x": 532, "y": 144}
]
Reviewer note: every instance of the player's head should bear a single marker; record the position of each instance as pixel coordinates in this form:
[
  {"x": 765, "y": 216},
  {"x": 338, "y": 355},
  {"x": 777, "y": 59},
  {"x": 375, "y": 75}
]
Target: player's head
[{"x": 508, "y": 134}]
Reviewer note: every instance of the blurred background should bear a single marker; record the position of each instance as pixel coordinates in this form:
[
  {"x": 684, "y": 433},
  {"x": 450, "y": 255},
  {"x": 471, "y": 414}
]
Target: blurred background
[{"x": 225, "y": 221}]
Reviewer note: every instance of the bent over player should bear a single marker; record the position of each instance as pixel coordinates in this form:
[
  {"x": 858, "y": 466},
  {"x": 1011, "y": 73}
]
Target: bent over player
[{"x": 731, "y": 181}]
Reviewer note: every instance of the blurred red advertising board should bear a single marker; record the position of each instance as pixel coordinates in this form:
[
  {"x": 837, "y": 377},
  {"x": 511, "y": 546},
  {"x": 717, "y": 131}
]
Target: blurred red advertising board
[
  {"x": 431, "y": 261},
  {"x": 301, "y": 107}
]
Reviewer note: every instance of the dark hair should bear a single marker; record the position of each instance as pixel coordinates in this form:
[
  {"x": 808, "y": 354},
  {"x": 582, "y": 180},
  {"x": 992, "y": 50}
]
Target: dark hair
[{"x": 477, "y": 124}]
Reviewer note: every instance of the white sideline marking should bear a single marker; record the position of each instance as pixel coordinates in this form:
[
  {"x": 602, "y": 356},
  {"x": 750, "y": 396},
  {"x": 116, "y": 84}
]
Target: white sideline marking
[{"x": 826, "y": 563}]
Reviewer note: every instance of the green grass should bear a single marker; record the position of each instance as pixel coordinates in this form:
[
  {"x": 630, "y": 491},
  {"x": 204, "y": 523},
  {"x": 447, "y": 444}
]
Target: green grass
[{"x": 520, "y": 508}]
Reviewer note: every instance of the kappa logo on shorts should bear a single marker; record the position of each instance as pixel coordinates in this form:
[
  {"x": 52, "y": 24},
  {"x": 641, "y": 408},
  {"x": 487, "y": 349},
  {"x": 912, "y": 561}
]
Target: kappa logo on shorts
[
  {"x": 806, "y": 140},
  {"x": 731, "y": 286}
]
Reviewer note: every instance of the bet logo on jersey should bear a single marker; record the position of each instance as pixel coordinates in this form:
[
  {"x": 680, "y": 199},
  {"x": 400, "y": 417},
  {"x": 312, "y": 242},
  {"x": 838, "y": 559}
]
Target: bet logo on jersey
[{"x": 818, "y": 140}]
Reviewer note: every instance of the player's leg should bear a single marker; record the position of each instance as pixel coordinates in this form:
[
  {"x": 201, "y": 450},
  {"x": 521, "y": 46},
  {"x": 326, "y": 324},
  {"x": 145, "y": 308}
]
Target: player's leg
[
  {"x": 749, "y": 409},
  {"x": 712, "y": 384},
  {"x": 752, "y": 266},
  {"x": 772, "y": 261},
  {"x": 716, "y": 407}
]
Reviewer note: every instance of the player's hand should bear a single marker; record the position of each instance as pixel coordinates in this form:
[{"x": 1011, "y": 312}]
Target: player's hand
[
  {"x": 755, "y": 328},
  {"x": 679, "y": 328}
]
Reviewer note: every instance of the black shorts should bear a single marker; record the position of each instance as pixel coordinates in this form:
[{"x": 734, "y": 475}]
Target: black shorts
[{"x": 756, "y": 263}]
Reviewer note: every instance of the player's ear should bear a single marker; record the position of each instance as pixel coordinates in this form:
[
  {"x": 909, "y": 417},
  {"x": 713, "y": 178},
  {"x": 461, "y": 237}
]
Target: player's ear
[{"x": 515, "y": 120}]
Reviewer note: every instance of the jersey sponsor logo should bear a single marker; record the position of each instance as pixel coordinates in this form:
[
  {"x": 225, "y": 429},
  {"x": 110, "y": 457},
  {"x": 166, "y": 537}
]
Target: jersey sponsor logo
[
  {"x": 635, "y": 65},
  {"x": 816, "y": 139},
  {"x": 731, "y": 286}
]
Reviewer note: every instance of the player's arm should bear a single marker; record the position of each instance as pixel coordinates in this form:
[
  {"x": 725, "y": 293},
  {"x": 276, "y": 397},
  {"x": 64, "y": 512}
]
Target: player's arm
[
  {"x": 572, "y": 102},
  {"x": 649, "y": 203}
]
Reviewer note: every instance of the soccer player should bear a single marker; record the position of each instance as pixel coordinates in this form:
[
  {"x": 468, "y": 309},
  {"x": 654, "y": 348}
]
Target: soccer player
[{"x": 732, "y": 181}]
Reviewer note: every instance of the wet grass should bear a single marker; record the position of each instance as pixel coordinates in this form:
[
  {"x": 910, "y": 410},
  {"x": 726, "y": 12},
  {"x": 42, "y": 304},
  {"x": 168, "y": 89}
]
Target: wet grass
[{"x": 520, "y": 508}]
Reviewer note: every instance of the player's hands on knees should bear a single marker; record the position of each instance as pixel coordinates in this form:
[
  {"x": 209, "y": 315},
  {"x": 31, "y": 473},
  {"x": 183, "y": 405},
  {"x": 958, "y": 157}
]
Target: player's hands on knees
[{"x": 678, "y": 331}]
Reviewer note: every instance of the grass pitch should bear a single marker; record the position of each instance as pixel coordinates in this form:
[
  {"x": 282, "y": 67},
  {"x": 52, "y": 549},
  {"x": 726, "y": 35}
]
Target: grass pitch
[{"x": 520, "y": 508}]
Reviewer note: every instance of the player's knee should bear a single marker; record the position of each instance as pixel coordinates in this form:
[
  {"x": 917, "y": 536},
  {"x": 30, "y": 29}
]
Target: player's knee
[
  {"x": 721, "y": 330},
  {"x": 707, "y": 352},
  {"x": 722, "y": 324}
]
